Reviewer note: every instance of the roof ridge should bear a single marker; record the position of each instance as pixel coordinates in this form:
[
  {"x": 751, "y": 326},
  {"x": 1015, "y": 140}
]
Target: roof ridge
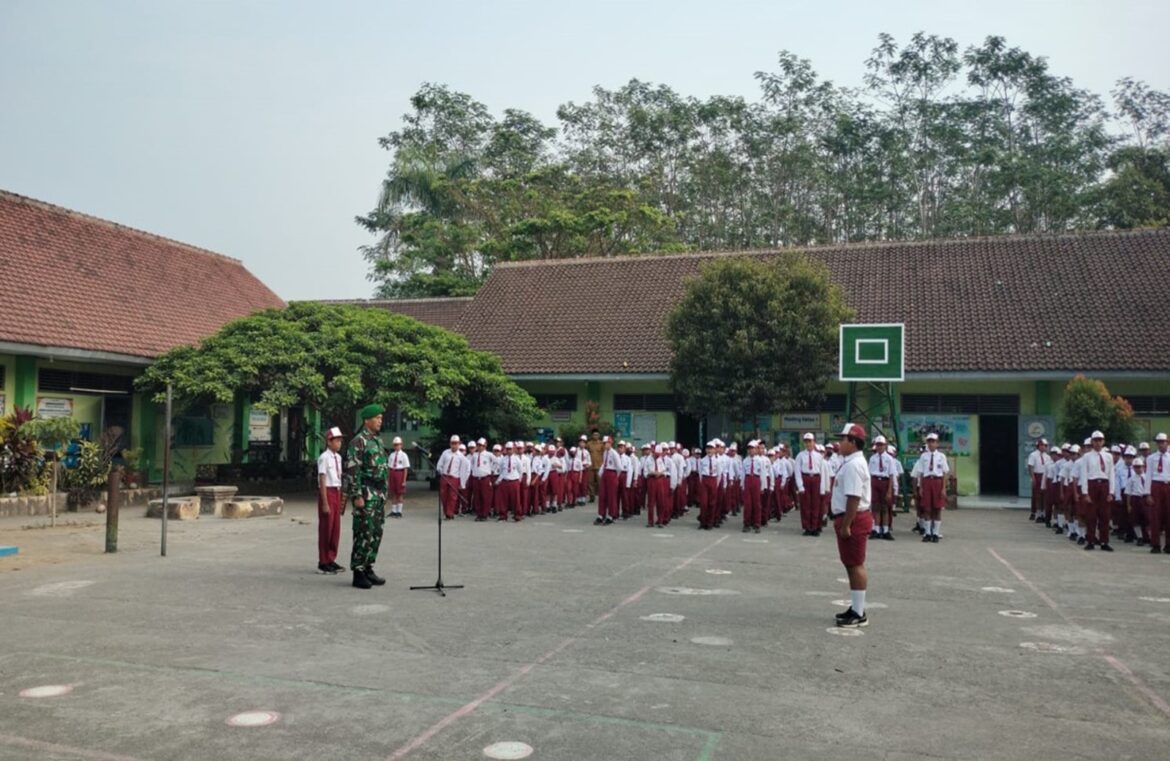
[
  {"x": 116, "y": 225},
  {"x": 848, "y": 246},
  {"x": 426, "y": 300}
]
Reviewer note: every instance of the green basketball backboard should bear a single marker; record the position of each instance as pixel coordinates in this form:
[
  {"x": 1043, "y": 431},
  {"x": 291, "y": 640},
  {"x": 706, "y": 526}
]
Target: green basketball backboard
[{"x": 874, "y": 352}]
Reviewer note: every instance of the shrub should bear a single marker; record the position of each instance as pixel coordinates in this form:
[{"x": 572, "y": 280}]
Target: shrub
[{"x": 1088, "y": 406}]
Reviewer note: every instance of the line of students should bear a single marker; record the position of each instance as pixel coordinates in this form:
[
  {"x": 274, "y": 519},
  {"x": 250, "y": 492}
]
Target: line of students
[{"x": 1092, "y": 493}]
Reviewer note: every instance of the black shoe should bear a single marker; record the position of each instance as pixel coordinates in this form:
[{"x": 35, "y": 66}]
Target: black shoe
[
  {"x": 1106, "y": 548},
  {"x": 852, "y": 620},
  {"x": 934, "y": 538},
  {"x": 374, "y": 578},
  {"x": 926, "y": 538},
  {"x": 874, "y": 535},
  {"x": 1155, "y": 550},
  {"x": 608, "y": 521},
  {"x": 745, "y": 529},
  {"x": 360, "y": 580},
  {"x": 756, "y": 529},
  {"x": 598, "y": 521},
  {"x": 888, "y": 537},
  {"x": 1080, "y": 540},
  {"x": 326, "y": 568},
  {"x": 337, "y": 568},
  {"x": 919, "y": 530},
  {"x": 1141, "y": 543},
  {"x": 1090, "y": 546},
  {"x": 843, "y": 614},
  {"x": 1058, "y": 530}
]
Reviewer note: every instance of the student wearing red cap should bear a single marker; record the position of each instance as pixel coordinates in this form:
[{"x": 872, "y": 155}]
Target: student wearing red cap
[
  {"x": 852, "y": 521},
  {"x": 329, "y": 504}
]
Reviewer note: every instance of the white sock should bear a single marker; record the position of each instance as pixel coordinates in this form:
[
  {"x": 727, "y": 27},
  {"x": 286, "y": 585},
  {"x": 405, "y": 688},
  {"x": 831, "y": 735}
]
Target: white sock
[
  {"x": 857, "y": 597},
  {"x": 934, "y": 527},
  {"x": 922, "y": 524},
  {"x": 1060, "y": 521},
  {"x": 1141, "y": 532}
]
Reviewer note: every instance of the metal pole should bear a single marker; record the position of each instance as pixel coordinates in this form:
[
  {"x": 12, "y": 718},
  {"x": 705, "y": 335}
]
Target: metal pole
[
  {"x": 53, "y": 497},
  {"x": 166, "y": 471},
  {"x": 113, "y": 502}
]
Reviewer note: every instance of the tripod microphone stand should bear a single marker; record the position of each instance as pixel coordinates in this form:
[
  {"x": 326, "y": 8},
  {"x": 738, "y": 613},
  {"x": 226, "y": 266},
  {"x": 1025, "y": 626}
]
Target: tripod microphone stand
[{"x": 438, "y": 586}]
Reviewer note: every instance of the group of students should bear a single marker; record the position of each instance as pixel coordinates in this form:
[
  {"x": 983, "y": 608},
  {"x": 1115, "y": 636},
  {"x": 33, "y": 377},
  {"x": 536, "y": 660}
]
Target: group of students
[
  {"x": 1091, "y": 493},
  {"x": 665, "y": 480}
]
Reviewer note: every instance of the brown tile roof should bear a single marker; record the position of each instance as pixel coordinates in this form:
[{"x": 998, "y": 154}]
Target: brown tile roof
[
  {"x": 70, "y": 280},
  {"x": 443, "y": 312},
  {"x": 1004, "y": 304}
]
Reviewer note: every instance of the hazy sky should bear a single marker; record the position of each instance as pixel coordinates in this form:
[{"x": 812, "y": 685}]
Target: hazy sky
[{"x": 250, "y": 127}]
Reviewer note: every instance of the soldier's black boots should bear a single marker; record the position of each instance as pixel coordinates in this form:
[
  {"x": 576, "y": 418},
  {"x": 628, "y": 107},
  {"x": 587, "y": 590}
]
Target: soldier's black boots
[
  {"x": 374, "y": 578},
  {"x": 360, "y": 580}
]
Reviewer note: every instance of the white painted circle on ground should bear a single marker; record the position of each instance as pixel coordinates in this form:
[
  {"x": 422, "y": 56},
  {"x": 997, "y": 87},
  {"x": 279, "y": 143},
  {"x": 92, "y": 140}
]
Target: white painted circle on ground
[
  {"x": 999, "y": 590},
  {"x": 47, "y": 691},
  {"x": 842, "y": 632},
  {"x": 1017, "y": 614},
  {"x": 1052, "y": 647},
  {"x": 868, "y": 605},
  {"x": 369, "y": 610},
  {"x": 666, "y": 618},
  {"x": 718, "y": 572},
  {"x": 1155, "y": 599},
  {"x": 820, "y": 594},
  {"x": 664, "y": 536},
  {"x": 843, "y": 581},
  {"x": 573, "y": 530},
  {"x": 691, "y": 591},
  {"x": 756, "y": 541},
  {"x": 713, "y": 641},
  {"x": 253, "y": 719},
  {"x": 508, "y": 750},
  {"x": 59, "y": 589}
]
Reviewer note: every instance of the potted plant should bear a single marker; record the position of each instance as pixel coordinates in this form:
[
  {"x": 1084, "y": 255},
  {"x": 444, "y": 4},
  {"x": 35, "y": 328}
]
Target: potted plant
[{"x": 133, "y": 476}]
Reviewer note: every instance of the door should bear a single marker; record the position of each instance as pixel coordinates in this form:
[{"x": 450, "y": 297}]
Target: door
[
  {"x": 645, "y": 429},
  {"x": 686, "y": 430},
  {"x": 117, "y": 415},
  {"x": 999, "y": 462},
  {"x": 1031, "y": 427}
]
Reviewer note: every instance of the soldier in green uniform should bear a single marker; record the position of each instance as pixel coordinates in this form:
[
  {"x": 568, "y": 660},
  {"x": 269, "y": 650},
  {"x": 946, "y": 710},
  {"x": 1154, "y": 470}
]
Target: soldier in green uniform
[{"x": 366, "y": 483}]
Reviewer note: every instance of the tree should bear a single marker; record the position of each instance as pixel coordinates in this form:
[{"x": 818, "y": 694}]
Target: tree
[
  {"x": 1088, "y": 406},
  {"x": 336, "y": 359},
  {"x": 774, "y": 323}
]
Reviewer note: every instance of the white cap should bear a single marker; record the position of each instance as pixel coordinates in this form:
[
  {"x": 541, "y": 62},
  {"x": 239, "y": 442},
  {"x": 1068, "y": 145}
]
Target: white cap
[
  {"x": 470, "y": 445},
  {"x": 463, "y": 448},
  {"x": 820, "y": 447},
  {"x": 686, "y": 453},
  {"x": 1130, "y": 452},
  {"x": 1115, "y": 449},
  {"x": 1139, "y": 461},
  {"x": 719, "y": 443},
  {"x": 647, "y": 446},
  {"x": 1144, "y": 445},
  {"x": 584, "y": 438},
  {"x": 397, "y": 440},
  {"x": 572, "y": 450},
  {"x": 1075, "y": 448},
  {"x": 1160, "y": 437},
  {"x": 932, "y": 436},
  {"x": 733, "y": 447},
  {"x": 334, "y": 433},
  {"x": 607, "y": 438},
  {"x": 454, "y": 440},
  {"x": 1088, "y": 443},
  {"x": 497, "y": 448},
  {"x": 658, "y": 449},
  {"x": 711, "y": 443},
  {"x": 1097, "y": 435},
  {"x": 808, "y": 437},
  {"x": 482, "y": 441},
  {"x": 1042, "y": 440},
  {"x": 879, "y": 439},
  {"x": 509, "y": 445},
  {"x": 893, "y": 449}
]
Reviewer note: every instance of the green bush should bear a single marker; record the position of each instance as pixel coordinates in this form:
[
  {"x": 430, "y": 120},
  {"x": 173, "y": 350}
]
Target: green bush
[{"x": 1088, "y": 406}]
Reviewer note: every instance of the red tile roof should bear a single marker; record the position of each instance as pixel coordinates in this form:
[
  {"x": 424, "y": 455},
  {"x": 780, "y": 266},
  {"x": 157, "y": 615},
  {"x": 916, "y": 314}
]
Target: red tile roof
[
  {"x": 1070, "y": 302},
  {"x": 75, "y": 281},
  {"x": 443, "y": 312}
]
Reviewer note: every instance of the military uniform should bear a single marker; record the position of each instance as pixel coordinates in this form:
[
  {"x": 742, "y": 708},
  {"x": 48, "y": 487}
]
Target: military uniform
[{"x": 367, "y": 471}]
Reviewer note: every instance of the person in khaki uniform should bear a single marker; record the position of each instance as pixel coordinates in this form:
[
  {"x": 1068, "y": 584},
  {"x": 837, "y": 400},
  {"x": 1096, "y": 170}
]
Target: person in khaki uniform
[{"x": 595, "y": 447}]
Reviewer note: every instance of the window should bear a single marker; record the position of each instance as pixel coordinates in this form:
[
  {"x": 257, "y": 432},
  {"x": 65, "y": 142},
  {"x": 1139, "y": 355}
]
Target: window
[
  {"x": 193, "y": 430},
  {"x": 649, "y": 402},
  {"x": 71, "y": 381},
  {"x": 3, "y": 369},
  {"x": 831, "y": 403},
  {"x": 1142, "y": 405},
  {"x": 556, "y": 402},
  {"x": 962, "y": 404}
]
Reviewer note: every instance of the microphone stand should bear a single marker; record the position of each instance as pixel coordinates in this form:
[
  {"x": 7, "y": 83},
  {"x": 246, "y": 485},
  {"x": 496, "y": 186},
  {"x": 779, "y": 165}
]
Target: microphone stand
[{"x": 438, "y": 586}]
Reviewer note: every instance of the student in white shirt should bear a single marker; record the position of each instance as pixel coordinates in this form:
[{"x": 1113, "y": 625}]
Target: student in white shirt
[
  {"x": 932, "y": 468},
  {"x": 399, "y": 466},
  {"x": 1096, "y": 481},
  {"x": 1038, "y": 461},
  {"x": 1137, "y": 490},
  {"x": 330, "y": 506}
]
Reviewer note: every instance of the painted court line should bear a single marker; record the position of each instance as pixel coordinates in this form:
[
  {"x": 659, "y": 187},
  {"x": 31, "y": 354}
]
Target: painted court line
[
  {"x": 13, "y": 741},
  {"x": 1115, "y": 663},
  {"x": 421, "y": 739}
]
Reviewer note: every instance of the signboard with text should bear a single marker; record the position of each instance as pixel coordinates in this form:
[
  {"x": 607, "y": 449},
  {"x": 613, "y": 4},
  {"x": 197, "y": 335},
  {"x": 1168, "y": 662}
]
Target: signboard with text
[{"x": 51, "y": 407}]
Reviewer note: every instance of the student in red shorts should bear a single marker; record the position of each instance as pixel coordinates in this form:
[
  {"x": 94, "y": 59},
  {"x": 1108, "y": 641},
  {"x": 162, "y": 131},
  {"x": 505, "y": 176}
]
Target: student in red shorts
[{"x": 853, "y": 521}]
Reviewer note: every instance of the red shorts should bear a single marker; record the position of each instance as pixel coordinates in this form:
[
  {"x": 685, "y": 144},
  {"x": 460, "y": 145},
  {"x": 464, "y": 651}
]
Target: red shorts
[{"x": 852, "y": 550}]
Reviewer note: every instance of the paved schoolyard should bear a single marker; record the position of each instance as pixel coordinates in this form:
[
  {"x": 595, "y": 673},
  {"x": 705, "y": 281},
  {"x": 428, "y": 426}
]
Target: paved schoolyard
[{"x": 584, "y": 643}]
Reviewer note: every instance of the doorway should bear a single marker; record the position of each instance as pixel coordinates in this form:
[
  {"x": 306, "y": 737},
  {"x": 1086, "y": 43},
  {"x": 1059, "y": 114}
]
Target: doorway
[
  {"x": 998, "y": 455},
  {"x": 116, "y": 414},
  {"x": 686, "y": 430}
]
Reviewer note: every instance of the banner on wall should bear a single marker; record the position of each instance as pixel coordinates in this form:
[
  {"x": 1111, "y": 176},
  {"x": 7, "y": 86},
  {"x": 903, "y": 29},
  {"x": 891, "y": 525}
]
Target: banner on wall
[
  {"x": 259, "y": 426},
  {"x": 2, "y": 411},
  {"x": 623, "y": 424},
  {"x": 954, "y": 432},
  {"x": 800, "y": 421},
  {"x": 51, "y": 407}
]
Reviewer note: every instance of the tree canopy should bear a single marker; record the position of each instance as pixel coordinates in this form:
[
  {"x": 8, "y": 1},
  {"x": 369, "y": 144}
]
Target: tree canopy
[
  {"x": 1088, "y": 406},
  {"x": 337, "y": 358},
  {"x": 752, "y": 337},
  {"x": 940, "y": 141}
]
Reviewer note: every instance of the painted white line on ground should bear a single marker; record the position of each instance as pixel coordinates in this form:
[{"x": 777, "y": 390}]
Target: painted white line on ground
[
  {"x": 1117, "y": 664},
  {"x": 666, "y": 618},
  {"x": 253, "y": 719},
  {"x": 712, "y": 641},
  {"x": 47, "y": 691},
  {"x": 843, "y": 580},
  {"x": 508, "y": 750},
  {"x": 718, "y": 572},
  {"x": 425, "y": 736},
  {"x": 59, "y": 589},
  {"x": 821, "y": 594},
  {"x": 1155, "y": 599},
  {"x": 57, "y": 749},
  {"x": 1017, "y": 614},
  {"x": 663, "y": 536},
  {"x": 1052, "y": 647},
  {"x": 695, "y": 592},
  {"x": 842, "y": 632},
  {"x": 573, "y": 530},
  {"x": 756, "y": 541},
  {"x": 998, "y": 590},
  {"x": 369, "y": 610}
]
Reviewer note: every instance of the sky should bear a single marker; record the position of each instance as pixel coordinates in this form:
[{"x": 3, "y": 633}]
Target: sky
[{"x": 250, "y": 128}]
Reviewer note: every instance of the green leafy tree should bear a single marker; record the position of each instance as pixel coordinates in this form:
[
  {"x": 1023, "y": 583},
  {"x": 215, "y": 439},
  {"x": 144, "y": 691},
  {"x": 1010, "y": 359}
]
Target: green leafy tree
[
  {"x": 763, "y": 318},
  {"x": 336, "y": 359},
  {"x": 1088, "y": 406}
]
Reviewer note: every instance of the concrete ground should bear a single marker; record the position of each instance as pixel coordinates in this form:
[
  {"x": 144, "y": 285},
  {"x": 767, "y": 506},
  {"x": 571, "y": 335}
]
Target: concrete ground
[{"x": 1003, "y": 641}]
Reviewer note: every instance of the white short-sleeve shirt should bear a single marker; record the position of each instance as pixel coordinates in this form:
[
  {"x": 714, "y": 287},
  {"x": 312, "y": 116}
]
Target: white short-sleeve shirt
[
  {"x": 329, "y": 465},
  {"x": 852, "y": 481}
]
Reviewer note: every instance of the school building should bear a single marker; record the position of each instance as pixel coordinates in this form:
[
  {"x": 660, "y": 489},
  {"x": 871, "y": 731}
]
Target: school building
[
  {"x": 86, "y": 304},
  {"x": 995, "y": 328}
]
